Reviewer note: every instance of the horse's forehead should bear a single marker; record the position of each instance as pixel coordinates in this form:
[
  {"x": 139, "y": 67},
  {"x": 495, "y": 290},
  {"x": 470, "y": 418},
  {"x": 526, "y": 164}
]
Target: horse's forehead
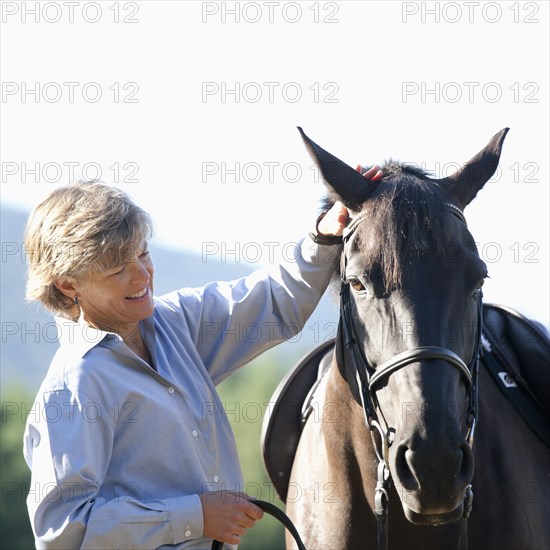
[{"x": 456, "y": 249}]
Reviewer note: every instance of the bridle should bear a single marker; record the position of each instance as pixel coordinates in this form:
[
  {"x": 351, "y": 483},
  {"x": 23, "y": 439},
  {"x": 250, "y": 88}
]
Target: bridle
[{"x": 363, "y": 380}]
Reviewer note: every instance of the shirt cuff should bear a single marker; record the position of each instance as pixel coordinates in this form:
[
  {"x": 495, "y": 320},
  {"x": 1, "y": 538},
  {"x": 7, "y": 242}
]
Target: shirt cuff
[{"x": 187, "y": 517}]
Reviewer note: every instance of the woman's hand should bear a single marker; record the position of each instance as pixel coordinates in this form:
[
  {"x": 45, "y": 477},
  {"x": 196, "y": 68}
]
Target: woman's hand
[
  {"x": 227, "y": 515},
  {"x": 336, "y": 219}
]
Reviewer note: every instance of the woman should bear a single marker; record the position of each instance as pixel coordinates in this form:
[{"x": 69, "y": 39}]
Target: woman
[{"x": 130, "y": 447}]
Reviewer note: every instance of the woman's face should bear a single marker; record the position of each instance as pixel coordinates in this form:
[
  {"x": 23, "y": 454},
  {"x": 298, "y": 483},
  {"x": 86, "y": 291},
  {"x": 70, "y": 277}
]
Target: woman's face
[{"x": 116, "y": 299}]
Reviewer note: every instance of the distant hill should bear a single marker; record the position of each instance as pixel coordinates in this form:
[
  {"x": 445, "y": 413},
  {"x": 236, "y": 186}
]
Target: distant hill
[{"x": 28, "y": 335}]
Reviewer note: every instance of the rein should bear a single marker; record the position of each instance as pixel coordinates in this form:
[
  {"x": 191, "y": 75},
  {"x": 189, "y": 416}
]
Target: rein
[
  {"x": 366, "y": 378},
  {"x": 279, "y": 515}
]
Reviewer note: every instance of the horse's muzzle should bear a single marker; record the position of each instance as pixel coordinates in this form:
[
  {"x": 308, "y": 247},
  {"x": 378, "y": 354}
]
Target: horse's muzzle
[{"x": 431, "y": 482}]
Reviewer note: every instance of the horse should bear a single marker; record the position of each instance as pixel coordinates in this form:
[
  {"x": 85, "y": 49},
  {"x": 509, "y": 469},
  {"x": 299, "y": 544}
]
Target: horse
[{"x": 389, "y": 456}]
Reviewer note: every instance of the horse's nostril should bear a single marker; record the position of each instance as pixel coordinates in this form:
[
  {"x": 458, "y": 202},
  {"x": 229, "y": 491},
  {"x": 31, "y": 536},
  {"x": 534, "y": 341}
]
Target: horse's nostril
[
  {"x": 403, "y": 470},
  {"x": 422, "y": 466}
]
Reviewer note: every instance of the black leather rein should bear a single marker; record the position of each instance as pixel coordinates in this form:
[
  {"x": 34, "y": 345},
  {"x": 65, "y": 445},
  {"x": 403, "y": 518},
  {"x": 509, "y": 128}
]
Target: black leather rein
[{"x": 279, "y": 515}]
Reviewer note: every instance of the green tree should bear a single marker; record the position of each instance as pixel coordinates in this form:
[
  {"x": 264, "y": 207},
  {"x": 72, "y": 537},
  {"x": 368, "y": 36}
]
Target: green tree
[{"x": 15, "y": 529}]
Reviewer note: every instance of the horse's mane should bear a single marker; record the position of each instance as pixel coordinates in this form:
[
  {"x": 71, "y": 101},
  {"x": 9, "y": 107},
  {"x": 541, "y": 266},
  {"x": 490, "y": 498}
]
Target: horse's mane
[{"x": 403, "y": 219}]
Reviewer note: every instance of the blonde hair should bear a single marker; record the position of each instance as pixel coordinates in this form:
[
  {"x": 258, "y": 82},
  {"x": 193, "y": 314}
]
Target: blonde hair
[{"x": 77, "y": 229}]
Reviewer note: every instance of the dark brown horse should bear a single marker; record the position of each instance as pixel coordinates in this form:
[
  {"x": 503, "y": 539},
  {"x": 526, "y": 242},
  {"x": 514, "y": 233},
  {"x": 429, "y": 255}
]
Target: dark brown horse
[{"x": 405, "y": 386}]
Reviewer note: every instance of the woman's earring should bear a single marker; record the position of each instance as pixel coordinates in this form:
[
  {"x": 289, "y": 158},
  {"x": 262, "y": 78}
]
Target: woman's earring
[{"x": 76, "y": 300}]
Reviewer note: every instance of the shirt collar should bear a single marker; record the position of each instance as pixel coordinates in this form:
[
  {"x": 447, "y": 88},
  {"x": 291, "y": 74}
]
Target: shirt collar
[{"x": 80, "y": 336}]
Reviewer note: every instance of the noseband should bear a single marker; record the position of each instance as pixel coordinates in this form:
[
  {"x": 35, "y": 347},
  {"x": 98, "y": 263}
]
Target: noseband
[{"x": 363, "y": 380}]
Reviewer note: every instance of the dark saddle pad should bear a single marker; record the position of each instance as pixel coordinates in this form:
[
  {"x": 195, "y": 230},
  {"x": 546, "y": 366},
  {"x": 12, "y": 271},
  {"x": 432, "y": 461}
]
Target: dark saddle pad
[{"x": 517, "y": 349}]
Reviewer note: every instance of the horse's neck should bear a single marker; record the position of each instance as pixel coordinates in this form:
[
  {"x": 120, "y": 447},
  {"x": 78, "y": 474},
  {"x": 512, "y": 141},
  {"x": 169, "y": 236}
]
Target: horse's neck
[{"x": 349, "y": 439}]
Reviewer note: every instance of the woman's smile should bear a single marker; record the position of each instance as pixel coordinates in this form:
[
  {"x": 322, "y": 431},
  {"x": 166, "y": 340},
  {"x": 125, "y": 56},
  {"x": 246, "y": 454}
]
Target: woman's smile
[{"x": 141, "y": 294}]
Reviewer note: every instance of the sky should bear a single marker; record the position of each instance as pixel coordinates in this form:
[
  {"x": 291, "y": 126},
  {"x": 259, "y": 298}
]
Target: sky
[{"x": 192, "y": 108}]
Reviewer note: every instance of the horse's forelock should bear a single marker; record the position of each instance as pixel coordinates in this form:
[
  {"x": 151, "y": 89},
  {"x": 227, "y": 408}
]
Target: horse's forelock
[
  {"x": 404, "y": 218},
  {"x": 394, "y": 169}
]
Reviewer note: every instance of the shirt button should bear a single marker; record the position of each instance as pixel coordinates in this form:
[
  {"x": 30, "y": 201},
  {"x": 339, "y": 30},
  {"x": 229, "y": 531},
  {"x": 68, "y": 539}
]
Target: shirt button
[
  {"x": 187, "y": 533},
  {"x": 171, "y": 389},
  {"x": 216, "y": 479},
  {"x": 195, "y": 433}
]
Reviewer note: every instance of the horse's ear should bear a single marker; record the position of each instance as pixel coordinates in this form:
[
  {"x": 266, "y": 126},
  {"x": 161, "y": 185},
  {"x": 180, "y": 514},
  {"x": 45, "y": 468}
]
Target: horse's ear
[
  {"x": 345, "y": 183},
  {"x": 464, "y": 184}
]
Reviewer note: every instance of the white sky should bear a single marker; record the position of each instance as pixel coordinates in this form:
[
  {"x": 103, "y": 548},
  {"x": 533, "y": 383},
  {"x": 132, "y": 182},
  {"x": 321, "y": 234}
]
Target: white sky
[{"x": 424, "y": 82}]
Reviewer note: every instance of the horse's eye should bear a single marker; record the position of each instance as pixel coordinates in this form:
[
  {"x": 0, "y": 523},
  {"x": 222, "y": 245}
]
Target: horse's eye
[
  {"x": 480, "y": 284},
  {"x": 356, "y": 284},
  {"x": 478, "y": 291}
]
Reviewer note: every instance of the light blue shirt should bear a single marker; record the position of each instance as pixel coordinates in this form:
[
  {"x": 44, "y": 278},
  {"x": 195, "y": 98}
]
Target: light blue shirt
[{"x": 119, "y": 452}]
